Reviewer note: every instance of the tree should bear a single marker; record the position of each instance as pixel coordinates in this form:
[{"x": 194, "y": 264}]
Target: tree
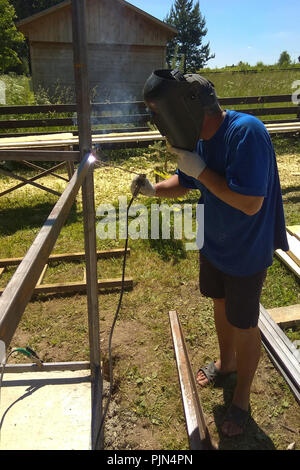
[
  {"x": 25, "y": 8},
  {"x": 284, "y": 59},
  {"x": 10, "y": 38},
  {"x": 190, "y": 24}
]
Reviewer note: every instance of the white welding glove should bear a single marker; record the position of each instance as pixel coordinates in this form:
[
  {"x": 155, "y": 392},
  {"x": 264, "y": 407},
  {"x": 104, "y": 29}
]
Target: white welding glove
[
  {"x": 189, "y": 163},
  {"x": 147, "y": 188}
]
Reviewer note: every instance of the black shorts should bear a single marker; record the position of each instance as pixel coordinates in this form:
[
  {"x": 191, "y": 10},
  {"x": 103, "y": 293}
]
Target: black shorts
[{"x": 241, "y": 294}]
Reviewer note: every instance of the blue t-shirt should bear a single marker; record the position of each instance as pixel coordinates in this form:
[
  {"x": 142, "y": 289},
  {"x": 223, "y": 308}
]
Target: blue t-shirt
[{"x": 242, "y": 152}]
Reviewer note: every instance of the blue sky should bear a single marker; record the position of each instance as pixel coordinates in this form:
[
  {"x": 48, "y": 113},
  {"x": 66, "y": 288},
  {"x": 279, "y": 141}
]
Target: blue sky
[{"x": 249, "y": 30}]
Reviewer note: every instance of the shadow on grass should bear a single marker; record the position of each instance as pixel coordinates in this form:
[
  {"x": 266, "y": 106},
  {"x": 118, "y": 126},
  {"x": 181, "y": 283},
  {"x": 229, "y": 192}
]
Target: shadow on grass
[
  {"x": 290, "y": 189},
  {"x": 253, "y": 438},
  {"x": 291, "y": 198},
  {"x": 169, "y": 249},
  {"x": 45, "y": 297},
  {"x": 20, "y": 218}
]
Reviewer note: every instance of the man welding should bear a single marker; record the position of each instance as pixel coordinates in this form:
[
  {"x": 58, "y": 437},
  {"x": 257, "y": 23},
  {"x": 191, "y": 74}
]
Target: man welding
[{"x": 229, "y": 157}]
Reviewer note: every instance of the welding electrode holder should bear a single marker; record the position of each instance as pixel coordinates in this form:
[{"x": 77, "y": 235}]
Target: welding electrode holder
[{"x": 139, "y": 183}]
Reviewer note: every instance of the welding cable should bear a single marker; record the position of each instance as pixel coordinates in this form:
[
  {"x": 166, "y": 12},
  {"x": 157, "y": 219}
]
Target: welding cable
[
  {"x": 139, "y": 184},
  {"x": 103, "y": 164}
]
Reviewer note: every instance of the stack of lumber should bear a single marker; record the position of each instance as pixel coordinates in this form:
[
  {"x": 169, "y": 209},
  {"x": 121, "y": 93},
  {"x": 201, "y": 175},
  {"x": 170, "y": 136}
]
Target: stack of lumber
[
  {"x": 36, "y": 141},
  {"x": 292, "y": 257},
  {"x": 283, "y": 127},
  {"x": 68, "y": 139}
]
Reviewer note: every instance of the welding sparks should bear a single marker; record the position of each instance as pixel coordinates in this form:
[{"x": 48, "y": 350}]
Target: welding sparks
[{"x": 91, "y": 158}]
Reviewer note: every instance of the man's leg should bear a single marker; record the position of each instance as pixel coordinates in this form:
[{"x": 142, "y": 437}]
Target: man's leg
[
  {"x": 225, "y": 332},
  {"x": 248, "y": 349},
  {"x": 242, "y": 310}
]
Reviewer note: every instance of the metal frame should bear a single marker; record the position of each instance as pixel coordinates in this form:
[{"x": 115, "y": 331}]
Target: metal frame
[
  {"x": 29, "y": 272},
  {"x": 282, "y": 352}
]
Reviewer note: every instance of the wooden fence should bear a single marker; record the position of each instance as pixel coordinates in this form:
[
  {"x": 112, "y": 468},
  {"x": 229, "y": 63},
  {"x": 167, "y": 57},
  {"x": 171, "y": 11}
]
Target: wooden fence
[{"x": 132, "y": 115}]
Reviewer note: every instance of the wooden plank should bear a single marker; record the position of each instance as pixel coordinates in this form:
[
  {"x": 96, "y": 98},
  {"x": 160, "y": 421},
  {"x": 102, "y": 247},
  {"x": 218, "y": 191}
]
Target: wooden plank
[
  {"x": 79, "y": 286},
  {"x": 21, "y": 286},
  {"x": 197, "y": 430},
  {"x": 290, "y": 123},
  {"x": 48, "y": 108},
  {"x": 41, "y": 278},
  {"x": 286, "y": 316},
  {"x": 256, "y": 99},
  {"x": 2, "y": 271},
  {"x": 288, "y": 261},
  {"x": 37, "y": 155},
  {"x": 51, "y": 171},
  {"x": 294, "y": 245},
  {"x": 294, "y": 230},
  {"x": 117, "y": 252},
  {"x": 58, "y": 135},
  {"x": 29, "y": 123},
  {"x": 28, "y": 181},
  {"x": 270, "y": 111},
  {"x": 70, "y": 122},
  {"x": 47, "y": 367},
  {"x": 34, "y": 178},
  {"x": 117, "y": 139}
]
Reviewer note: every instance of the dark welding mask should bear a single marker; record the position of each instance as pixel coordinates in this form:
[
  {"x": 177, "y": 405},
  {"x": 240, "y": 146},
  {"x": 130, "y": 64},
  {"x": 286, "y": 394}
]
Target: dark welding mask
[{"x": 177, "y": 103}]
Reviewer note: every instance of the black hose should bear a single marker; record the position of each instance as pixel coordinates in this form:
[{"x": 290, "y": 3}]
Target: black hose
[{"x": 114, "y": 322}]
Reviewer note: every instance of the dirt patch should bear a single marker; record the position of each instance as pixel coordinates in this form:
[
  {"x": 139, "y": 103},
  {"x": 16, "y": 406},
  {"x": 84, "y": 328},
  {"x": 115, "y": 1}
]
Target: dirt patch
[{"x": 124, "y": 431}]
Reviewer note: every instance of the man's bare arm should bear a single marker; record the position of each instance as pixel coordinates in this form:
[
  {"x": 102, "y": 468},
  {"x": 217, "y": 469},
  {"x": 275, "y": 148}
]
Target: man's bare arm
[{"x": 170, "y": 188}]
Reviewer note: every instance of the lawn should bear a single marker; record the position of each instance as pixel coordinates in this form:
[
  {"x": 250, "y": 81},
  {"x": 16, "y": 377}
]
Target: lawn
[{"x": 146, "y": 411}]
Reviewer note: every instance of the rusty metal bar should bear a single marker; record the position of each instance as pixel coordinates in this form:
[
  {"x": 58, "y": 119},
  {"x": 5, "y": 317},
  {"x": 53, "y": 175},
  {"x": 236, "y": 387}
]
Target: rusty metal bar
[
  {"x": 47, "y": 367},
  {"x": 282, "y": 352},
  {"x": 197, "y": 430}
]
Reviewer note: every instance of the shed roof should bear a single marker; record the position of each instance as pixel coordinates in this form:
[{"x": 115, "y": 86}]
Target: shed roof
[{"x": 37, "y": 16}]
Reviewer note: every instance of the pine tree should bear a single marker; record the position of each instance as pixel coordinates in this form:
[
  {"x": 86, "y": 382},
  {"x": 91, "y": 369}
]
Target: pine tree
[{"x": 191, "y": 27}]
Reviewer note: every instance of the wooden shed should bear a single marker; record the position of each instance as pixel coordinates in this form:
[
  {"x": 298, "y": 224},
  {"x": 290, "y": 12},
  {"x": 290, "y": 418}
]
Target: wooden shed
[{"x": 125, "y": 45}]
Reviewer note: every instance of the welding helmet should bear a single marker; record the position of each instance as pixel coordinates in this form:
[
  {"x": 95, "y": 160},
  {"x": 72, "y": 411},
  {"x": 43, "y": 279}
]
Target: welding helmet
[{"x": 177, "y": 103}]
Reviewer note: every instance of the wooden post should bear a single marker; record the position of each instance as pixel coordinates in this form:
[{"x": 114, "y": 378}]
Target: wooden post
[{"x": 82, "y": 88}]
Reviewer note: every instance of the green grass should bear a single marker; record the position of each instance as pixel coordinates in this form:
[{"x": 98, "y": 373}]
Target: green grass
[{"x": 230, "y": 84}]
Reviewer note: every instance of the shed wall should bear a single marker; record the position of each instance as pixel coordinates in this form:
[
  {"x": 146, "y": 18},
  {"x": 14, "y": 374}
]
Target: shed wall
[
  {"x": 116, "y": 72},
  {"x": 107, "y": 24}
]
